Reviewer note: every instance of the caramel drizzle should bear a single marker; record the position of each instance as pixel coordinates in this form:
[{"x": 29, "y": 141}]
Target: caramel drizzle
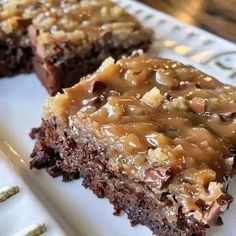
[{"x": 191, "y": 130}]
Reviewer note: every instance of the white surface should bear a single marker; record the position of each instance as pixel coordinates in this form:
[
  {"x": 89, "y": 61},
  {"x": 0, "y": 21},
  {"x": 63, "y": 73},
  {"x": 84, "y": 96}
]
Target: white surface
[
  {"x": 22, "y": 210},
  {"x": 75, "y": 209}
]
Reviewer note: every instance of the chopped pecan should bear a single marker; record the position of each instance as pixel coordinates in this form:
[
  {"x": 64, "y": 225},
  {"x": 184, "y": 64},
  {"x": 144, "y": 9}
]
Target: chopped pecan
[
  {"x": 197, "y": 105},
  {"x": 213, "y": 215},
  {"x": 158, "y": 177},
  {"x": 226, "y": 116}
]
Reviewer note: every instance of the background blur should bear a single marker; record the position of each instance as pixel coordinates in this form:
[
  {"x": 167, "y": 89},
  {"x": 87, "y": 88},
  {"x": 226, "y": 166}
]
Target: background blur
[{"x": 216, "y": 16}]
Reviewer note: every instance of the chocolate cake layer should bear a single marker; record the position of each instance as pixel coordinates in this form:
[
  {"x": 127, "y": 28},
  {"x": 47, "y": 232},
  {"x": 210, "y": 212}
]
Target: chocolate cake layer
[
  {"x": 15, "y": 48},
  {"x": 69, "y": 39},
  {"x": 66, "y": 75},
  {"x": 91, "y": 165},
  {"x": 14, "y": 59},
  {"x": 163, "y": 131}
]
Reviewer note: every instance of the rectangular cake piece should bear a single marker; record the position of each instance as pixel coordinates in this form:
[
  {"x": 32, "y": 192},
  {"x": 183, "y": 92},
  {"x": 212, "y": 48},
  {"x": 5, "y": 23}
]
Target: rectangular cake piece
[
  {"x": 72, "y": 38},
  {"x": 69, "y": 39},
  {"x": 156, "y": 137},
  {"x": 15, "y": 49}
]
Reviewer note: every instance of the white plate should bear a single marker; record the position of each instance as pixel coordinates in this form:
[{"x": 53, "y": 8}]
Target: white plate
[
  {"x": 23, "y": 211},
  {"x": 69, "y": 206}
]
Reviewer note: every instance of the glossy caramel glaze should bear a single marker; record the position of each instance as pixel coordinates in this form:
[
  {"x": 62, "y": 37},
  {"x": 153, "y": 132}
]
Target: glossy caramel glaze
[
  {"x": 164, "y": 124},
  {"x": 70, "y": 21},
  {"x": 11, "y": 20}
]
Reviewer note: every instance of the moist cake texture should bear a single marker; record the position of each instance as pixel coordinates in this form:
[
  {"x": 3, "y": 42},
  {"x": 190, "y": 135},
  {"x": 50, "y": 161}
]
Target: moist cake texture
[
  {"x": 69, "y": 39},
  {"x": 15, "y": 49},
  {"x": 156, "y": 137}
]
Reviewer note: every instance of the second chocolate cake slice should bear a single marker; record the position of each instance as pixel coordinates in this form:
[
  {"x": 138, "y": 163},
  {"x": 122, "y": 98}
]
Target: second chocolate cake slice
[
  {"x": 72, "y": 38},
  {"x": 15, "y": 48},
  {"x": 156, "y": 137},
  {"x": 68, "y": 39}
]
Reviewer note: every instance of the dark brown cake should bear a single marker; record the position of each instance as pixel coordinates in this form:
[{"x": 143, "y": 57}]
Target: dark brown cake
[
  {"x": 15, "y": 49},
  {"x": 156, "y": 137},
  {"x": 69, "y": 38}
]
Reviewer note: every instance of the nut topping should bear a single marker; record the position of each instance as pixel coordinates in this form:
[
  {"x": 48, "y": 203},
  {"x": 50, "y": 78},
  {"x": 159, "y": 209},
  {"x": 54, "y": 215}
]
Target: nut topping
[
  {"x": 197, "y": 105},
  {"x": 153, "y": 98},
  {"x": 179, "y": 141},
  {"x": 213, "y": 215},
  {"x": 176, "y": 103},
  {"x": 157, "y": 177},
  {"x": 71, "y": 21}
]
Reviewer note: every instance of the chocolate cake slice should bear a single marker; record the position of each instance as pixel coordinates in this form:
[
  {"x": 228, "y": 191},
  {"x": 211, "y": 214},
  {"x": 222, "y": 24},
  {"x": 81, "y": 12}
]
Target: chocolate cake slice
[
  {"x": 156, "y": 137},
  {"x": 15, "y": 49},
  {"x": 69, "y": 39},
  {"x": 72, "y": 38}
]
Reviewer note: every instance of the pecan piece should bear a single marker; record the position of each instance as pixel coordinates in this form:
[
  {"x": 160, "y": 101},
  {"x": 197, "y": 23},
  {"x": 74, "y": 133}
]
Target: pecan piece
[
  {"x": 197, "y": 105},
  {"x": 158, "y": 177},
  {"x": 213, "y": 215},
  {"x": 227, "y": 116}
]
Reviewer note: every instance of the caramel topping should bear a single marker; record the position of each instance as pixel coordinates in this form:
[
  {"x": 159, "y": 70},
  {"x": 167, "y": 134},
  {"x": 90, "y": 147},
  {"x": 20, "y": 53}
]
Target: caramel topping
[
  {"x": 11, "y": 15},
  {"x": 165, "y": 124},
  {"x": 69, "y": 21}
]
